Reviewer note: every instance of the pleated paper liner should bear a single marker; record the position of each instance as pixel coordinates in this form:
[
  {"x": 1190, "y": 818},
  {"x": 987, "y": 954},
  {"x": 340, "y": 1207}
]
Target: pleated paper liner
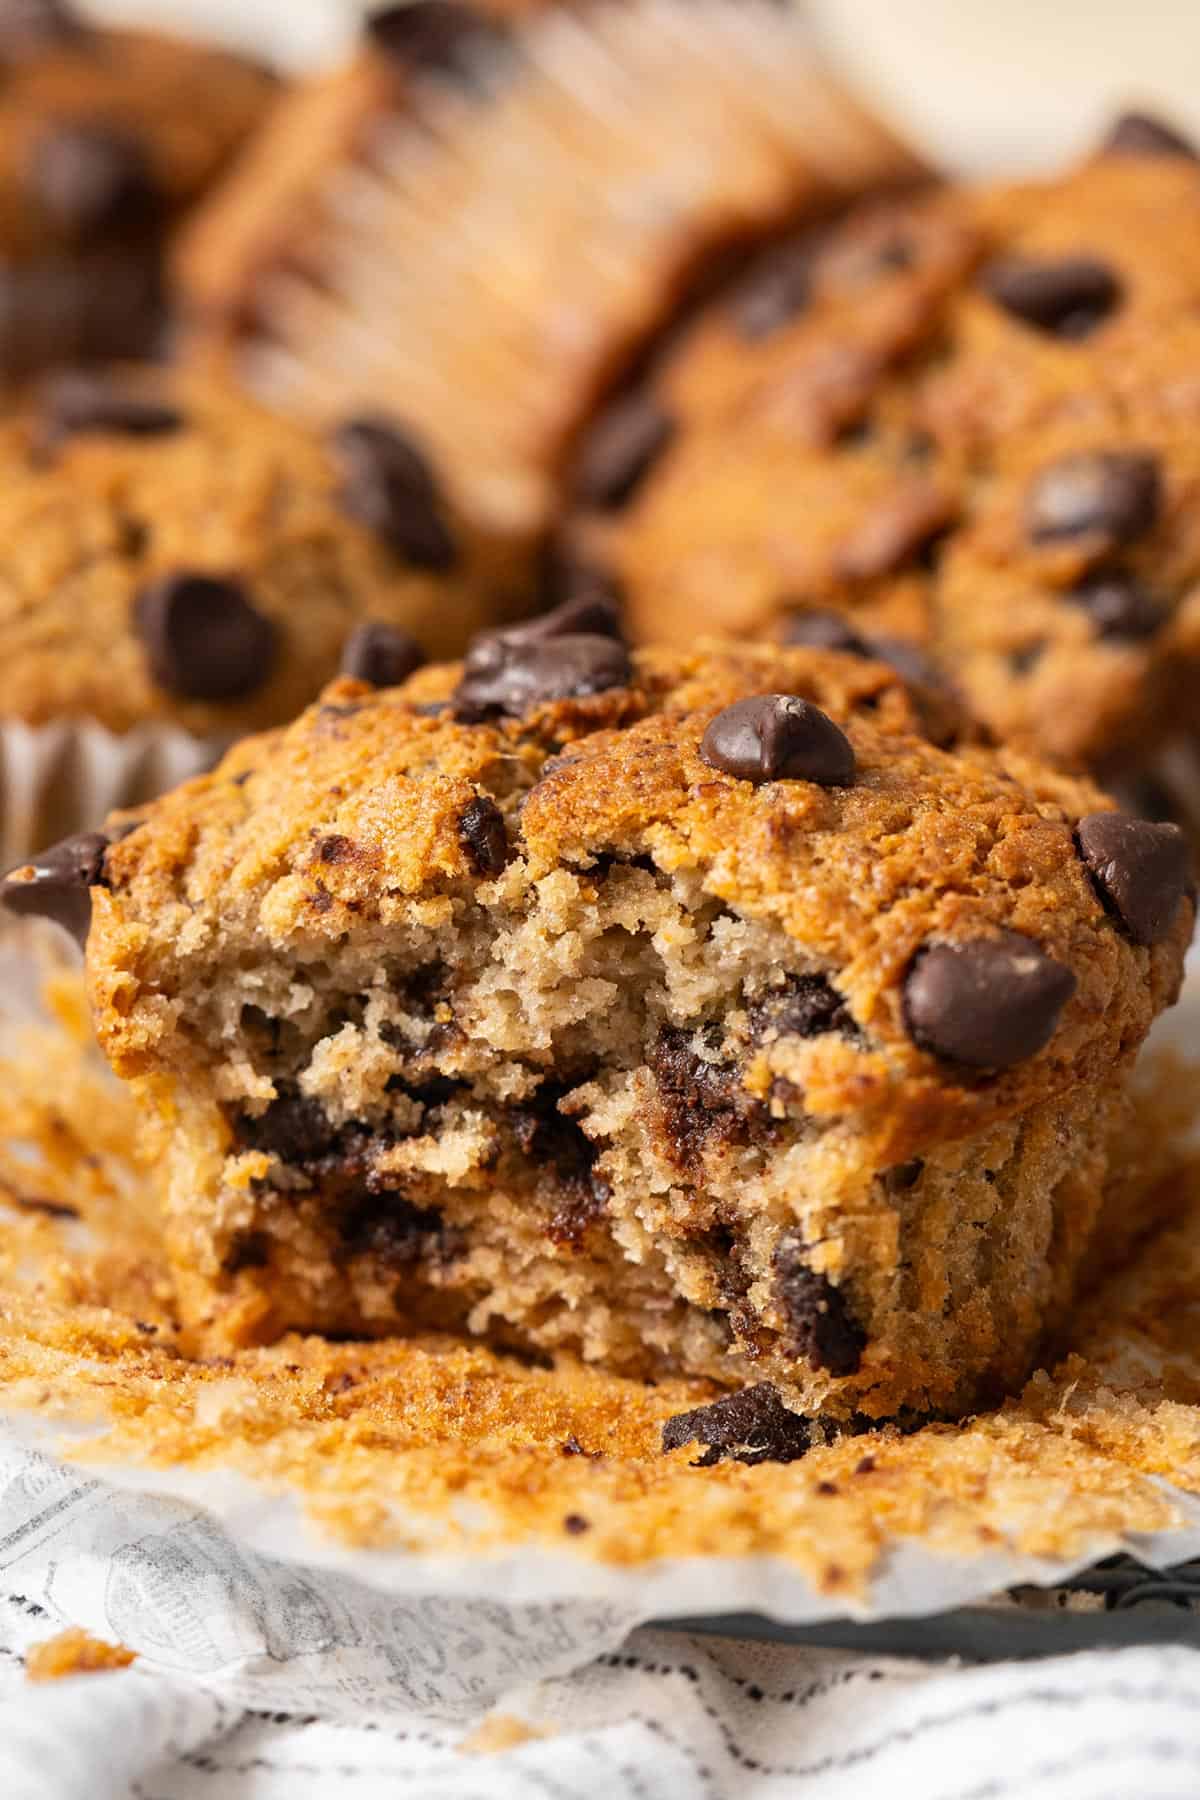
[
  {"x": 66, "y": 777},
  {"x": 486, "y": 263}
]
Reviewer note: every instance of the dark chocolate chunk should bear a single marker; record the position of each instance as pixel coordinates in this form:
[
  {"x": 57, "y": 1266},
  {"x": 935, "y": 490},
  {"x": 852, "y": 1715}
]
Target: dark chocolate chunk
[
  {"x": 1119, "y": 606},
  {"x": 987, "y": 1003},
  {"x": 778, "y": 737},
  {"x": 620, "y": 449},
  {"x": 1139, "y": 134},
  {"x": 508, "y": 673},
  {"x": 85, "y": 400},
  {"x": 820, "y": 1325},
  {"x": 753, "y": 1426},
  {"x": 701, "y": 1098},
  {"x": 204, "y": 639},
  {"x": 388, "y": 1226},
  {"x": 775, "y": 291},
  {"x": 1139, "y": 869},
  {"x": 821, "y": 630},
  {"x": 433, "y": 35},
  {"x": 381, "y": 654},
  {"x": 55, "y": 884},
  {"x": 389, "y": 486},
  {"x": 484, "y": 837},
  {"x": 28, "y": 27},
  {"x": 93, "y": 180},
  {"x": 806, "y": 1006},
  {"x": 1117, "y": 493},
  {"x": 1067, "y": 296}
]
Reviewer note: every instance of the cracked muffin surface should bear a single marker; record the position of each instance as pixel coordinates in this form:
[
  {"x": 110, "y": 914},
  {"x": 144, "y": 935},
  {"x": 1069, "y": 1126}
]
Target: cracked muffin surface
[
  {"x": 724, "y": 1012},
  {"x": 175, "y": 553},
  {"x": 966, "y": 421}
]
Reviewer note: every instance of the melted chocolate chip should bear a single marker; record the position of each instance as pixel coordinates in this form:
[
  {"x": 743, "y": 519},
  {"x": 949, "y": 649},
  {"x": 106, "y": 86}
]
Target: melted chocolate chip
[
  {"x": 702, "y": 1102},
  {"x": 778, "y": 737},
  {"x": 484, "y": 837},
  {"x": 93, "y": 180},
  {"x": 620, "y": 449},
  {"x": 55, "y": 884},
  {"x": 1119, "y": 606},
  {"x": 821, "y": 1327},
  {"x": 203, "y": 637},
  {"x": 381, "y": 654},
  {"x": 83, "y": 400},
  {"x": 441, "y": 36},
  {"x": 775, "y": 291},
  {"x": 751, "y": 1427},
  {"x": 1067, "y": 297},
  {"x": 389, "y": 486},
  {"x": 293, "y": 1128},
  {"x": 556, "y": 1145},
  {"x": 1116, "y": 493},
  {"x": 821, "y": 630},
  {"x": 509, "y": 673},
  {"x": 1139, "y": 870},
  {"x": 1139, "y": 134},
  {"x": 391, "y": 1228},
  {"x": 988, "y": 1003},
  {"x": 806, "y": 1006}
]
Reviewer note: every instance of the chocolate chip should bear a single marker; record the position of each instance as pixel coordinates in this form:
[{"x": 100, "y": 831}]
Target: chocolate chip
[
  {"x": 28, "y": 27},
  {"x": 83, "y": 400},
  {"x": 483, "y": 835},
  {"x": 381, "y": 654},
  {"x": 204, "y": 640},
  {"x": 1119, "y": 606},
  {"x": 903, "y": 1176},
  {"x": 820, "y": 1325},
  {"x": 775, "y": 291},
  {"x": 93, "y": 179},
  {"x": 433, "y": 35},
  {"x": 567, "y": 575},
  {"x": 620, "y": 449},
  {"x": 908, "y": 660},
  {"x": 504, "y": 675},
  {"x": 1139, "y": 869},
  {"x": 778, "y": 737},
  {"x": 751, "y": 1427},
  {"x": 1138, "y": 134},
  {"x": 821, "y": 630},
  {"x": 895, "y": 531},
  {"x": 575, "y": 1524},
  {"x": 55, "y": 885},
  {"x": 389, "y": 486},
  {"x": 587, "y": 614},
  {"x": 805, "y": 1006},
  {"x": 988, "y": 1003},
  {"x": 1067, "y": 296},
  {"x": 1117, "y": 493}
]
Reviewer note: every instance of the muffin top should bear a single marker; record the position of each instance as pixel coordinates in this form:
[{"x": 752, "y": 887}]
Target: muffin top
[
  {"x": 993, "y": 933},
  {"x": 175, "y": 554},
  {"x": 967, "y": 419}
]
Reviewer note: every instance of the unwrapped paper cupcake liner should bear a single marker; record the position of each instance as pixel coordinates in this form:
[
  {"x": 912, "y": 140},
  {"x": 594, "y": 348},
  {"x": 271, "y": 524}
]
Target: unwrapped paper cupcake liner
[{"x": 67, "y": 777}]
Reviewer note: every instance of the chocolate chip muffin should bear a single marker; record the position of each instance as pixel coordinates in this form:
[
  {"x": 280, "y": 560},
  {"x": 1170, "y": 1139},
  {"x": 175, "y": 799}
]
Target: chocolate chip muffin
[
  {"x": 681, "y": 1010},
  {"x": 379, "y": 240},
  {"x": 106, "y": 137},
  {"x": 176, "y": 555},
  {"x": 968, "y": 421}
]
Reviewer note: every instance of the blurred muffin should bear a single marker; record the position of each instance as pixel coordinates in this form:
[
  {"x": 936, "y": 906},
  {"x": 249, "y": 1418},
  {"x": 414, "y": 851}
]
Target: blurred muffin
[
  {"x": 106, "y": 137},
  {"x": 482, "y": 237},
  {"x": 968, "y": 420}
]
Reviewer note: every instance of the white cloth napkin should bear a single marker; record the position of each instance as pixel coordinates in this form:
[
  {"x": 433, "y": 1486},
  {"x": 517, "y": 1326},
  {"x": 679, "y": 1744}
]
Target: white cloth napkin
[{"x": 664, "y": 1717}]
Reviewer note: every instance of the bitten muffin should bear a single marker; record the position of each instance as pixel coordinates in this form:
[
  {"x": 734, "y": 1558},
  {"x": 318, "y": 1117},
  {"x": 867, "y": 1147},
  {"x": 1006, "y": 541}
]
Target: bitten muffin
[
  {"x": 969, "y": 421},
  {"x": 685, "y": 1011},
  {"x": 174, "y": 554},
  {"x": 106, "y": 138},
  {"x": 497, "y": 249}
]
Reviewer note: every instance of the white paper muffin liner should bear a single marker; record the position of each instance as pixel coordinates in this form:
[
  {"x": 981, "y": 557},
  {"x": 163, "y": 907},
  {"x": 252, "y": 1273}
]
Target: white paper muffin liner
[{"x": 66, "y": 777}]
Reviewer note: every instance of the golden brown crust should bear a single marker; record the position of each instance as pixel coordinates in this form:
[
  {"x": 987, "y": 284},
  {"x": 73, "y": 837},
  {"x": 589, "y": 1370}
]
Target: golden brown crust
[
  {"x": 876, "y": 452},
  {"x": 90, "y": 522}
]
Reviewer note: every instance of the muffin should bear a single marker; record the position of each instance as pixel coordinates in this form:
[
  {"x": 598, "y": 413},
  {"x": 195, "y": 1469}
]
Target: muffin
[
  {"x": 685, "y": 1011},
  {"x": 106, "y": 139},
  {"x": 967, "y": 420},
  {"x": 494, "y": 231},
  {"x": 181, "y": 564}
]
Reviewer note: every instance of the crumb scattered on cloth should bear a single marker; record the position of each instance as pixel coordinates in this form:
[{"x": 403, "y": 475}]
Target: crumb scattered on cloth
[{"x": 74, "y": 1652}]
